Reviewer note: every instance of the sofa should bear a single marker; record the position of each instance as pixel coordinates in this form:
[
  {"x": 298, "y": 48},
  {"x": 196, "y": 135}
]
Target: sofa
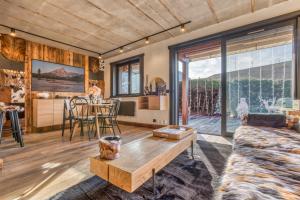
[{"x": 265, "y": 164}]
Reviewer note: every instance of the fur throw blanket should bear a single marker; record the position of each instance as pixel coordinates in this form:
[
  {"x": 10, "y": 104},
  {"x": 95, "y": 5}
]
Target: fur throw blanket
[{"x": 264, "y": 165}]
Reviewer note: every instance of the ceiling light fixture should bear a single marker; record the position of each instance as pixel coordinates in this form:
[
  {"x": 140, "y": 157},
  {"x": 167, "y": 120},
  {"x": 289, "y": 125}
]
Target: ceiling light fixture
[
  {"x": 121, "y": 50},
  {"x": 99, "y": 56},
  {"x": 147, "y": 40},
  {"x": 182, "y": 28},
  {"x": 12, "y": 32}
]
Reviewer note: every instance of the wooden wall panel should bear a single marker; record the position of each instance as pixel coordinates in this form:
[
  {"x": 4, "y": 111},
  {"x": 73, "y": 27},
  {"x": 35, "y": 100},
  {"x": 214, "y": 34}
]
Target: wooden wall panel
[
  {"x": 5, "y": 95},
  {"x": 13, "y": 48},
  {"x": 26, "y": 51},
  {"x": 27, "y": 79},
  {"x": 86, "y": 72}
]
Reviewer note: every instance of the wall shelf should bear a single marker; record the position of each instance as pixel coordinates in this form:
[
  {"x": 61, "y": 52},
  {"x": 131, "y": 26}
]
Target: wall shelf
[{"x": 153, "y": 103}]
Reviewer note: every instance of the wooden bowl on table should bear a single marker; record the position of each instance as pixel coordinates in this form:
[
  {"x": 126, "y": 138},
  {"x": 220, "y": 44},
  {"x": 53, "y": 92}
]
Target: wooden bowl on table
[{"x": 110, "y": 147}]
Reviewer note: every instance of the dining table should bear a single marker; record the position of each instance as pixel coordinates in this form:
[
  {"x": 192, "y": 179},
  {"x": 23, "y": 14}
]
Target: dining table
[{"x": 100, "y": 109}]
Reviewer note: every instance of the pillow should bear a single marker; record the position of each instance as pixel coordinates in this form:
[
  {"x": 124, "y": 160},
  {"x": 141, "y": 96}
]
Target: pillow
[{"x": 268, "y": 120}]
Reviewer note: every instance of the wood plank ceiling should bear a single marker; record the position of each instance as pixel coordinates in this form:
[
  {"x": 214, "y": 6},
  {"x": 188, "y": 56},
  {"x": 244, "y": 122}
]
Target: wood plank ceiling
[{"x": 102, "y": 25}]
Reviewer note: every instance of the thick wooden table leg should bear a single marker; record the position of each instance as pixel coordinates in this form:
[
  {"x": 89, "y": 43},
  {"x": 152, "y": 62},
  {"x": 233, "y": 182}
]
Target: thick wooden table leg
[
  {"x": 1, "y": 163},
  {"x": 97, "y": 125}
]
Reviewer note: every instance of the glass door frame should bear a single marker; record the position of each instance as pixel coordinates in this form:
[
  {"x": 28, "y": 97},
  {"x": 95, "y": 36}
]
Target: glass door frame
[{"x": 223, "y": 38}]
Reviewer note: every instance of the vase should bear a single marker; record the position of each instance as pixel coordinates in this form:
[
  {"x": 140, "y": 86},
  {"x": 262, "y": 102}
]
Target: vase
[{"x": 110, "y": 147}]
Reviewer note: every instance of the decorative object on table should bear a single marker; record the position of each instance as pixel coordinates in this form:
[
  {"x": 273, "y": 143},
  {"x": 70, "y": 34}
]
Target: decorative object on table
[
  {"x": 110, "y": 147},
  {"x": 146, "y": 89},
  {"x": 94, "y": 91},
  {"x": 173, "y": 132},
  {"x": 243, "y": 110},
  {"x": 159, "y": 85}
]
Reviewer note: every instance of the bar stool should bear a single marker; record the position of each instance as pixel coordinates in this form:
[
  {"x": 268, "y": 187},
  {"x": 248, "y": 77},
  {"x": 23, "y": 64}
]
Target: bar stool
[
  {"x": 15, "y": 126},
  {"x": 2, "y": 115}
]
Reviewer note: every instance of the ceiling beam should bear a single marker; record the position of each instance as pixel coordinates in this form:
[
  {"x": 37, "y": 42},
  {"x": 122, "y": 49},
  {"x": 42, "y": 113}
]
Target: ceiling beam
[
  {"x": 212, "y": 9},
  {"x": 97, "y": 26},
  {"x": 149, "y": 17},
  {"x": 148, "y": 36},
  {"x": 138, "y": 32},
  {"x": 169, "y": 11}
]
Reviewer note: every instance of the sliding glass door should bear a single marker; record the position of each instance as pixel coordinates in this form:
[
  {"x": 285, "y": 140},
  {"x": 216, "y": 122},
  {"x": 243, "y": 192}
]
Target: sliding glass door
[
  {"x": 259, "y": 73},
  {"x": 220, "y": 80},
  {"x": 199, "y": 70}
]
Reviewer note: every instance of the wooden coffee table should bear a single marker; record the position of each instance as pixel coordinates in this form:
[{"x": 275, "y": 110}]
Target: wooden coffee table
[{"x": 140, "y": 160}]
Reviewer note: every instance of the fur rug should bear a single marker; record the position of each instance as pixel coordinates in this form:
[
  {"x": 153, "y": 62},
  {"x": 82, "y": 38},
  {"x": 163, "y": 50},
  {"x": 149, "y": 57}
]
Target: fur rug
[
  {"x": 265, "y": 164},
  {"x": 183, "y": 179}
]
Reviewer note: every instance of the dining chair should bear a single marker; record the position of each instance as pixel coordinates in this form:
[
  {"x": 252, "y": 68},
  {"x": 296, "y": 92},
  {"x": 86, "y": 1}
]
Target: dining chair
[
  {"x": 109, "y": 119},
  {"x": 117, "y": 104},
  {"x": 80, "y": 109},
  {"x": 67, "y": 115}
]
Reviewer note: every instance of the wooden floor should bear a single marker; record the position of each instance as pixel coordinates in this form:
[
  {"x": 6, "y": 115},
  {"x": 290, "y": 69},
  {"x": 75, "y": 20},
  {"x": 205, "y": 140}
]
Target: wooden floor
[{"x": 49, "y": 163}]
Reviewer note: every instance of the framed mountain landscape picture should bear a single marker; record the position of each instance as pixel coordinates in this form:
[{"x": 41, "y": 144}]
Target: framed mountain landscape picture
[{"x": 52, "y": 77}]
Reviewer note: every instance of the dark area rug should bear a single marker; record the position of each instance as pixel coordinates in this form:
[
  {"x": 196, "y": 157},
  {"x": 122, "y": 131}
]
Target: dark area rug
[{"x": 183, "y": 178}]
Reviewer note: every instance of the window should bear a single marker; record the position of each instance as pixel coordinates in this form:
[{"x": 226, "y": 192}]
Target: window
[
  {"x": 123, "y": 79},
  {"x": 127, "y": 77}
]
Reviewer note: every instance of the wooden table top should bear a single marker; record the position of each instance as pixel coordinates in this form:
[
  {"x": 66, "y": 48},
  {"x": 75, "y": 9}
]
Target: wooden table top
[
  {"x": 137, "y": 159},
  {"x": 100, "y": 104}
]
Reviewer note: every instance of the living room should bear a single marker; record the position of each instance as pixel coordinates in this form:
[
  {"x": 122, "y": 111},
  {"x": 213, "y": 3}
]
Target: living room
[{"x": 149, "y": 99}]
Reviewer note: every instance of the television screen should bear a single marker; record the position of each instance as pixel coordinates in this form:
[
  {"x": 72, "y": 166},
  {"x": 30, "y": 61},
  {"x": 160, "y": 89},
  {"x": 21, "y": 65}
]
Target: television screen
[{"x": 52, "y": 77}]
